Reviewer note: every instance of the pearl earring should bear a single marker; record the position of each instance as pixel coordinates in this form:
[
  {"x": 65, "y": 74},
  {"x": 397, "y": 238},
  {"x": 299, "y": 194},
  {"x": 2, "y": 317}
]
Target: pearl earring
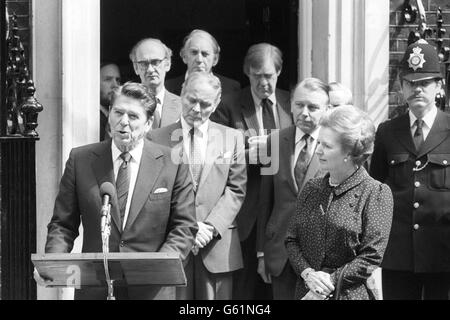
[{"x": 345, "y": 159}]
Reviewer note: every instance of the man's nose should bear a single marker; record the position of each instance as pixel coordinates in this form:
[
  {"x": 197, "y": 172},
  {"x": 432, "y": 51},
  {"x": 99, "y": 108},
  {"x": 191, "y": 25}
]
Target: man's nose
[
  {"x": 196, "y": 107},
  {"x": 124, "y": 120},
  {"x": 305, "y": 112}
]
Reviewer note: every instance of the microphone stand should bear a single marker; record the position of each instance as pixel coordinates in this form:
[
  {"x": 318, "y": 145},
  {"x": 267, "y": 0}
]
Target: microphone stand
[{"x": 106, "y": 231}]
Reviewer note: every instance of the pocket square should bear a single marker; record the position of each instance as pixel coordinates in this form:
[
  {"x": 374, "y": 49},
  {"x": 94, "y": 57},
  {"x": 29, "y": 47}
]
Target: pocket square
[
  {"x": 160, "y": 190},
  {"x": 227, "y": 155}
]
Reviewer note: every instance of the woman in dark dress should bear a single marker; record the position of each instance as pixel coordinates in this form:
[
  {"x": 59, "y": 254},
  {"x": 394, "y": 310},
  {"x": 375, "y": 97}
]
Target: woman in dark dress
[{"x": 342, "y": 222}]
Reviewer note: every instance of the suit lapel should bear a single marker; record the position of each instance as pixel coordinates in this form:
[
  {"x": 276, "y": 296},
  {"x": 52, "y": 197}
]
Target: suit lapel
[
  {"x": 104, "y": 172},
  {"x": 249, "y": 112},
  {"x": 403, "y": 134},
  {"x": 169, "y": 110},
  {"x": 213, "y": 151},
  {"x": 283, "y": 110},
  {"x": 438, "y": 133},
  {"x": 287, "y": 154},
  {"x": 149, "y": 170}
]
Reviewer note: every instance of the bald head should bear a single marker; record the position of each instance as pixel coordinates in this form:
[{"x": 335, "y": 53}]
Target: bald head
[{"x": 151, "y": 61}]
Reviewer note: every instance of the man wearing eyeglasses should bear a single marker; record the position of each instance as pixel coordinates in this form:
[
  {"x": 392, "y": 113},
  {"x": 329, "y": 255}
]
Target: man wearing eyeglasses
[
  {"x": 151, "y": 61},
  {"x": 200, "y": 53},
  {"x": 256, "y": 110}
]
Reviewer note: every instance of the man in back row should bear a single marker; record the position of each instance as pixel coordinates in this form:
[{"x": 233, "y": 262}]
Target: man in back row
[
  {"x": 201, "y": 52},
  {"x": 151, "y": 61},
  {"x": 255, "y": 111}
]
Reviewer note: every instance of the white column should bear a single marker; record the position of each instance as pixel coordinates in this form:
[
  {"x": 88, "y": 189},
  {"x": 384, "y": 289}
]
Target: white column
[
  {"x": 47, "y": 74},
  {"x": 348, "y": 41},
  {"x": 66, "y": 56},
  {"x": 81, "y": 72}
]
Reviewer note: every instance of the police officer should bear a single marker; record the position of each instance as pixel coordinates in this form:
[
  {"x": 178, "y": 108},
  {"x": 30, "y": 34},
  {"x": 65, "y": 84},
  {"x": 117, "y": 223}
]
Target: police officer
[{"x": 412, "y": 156}]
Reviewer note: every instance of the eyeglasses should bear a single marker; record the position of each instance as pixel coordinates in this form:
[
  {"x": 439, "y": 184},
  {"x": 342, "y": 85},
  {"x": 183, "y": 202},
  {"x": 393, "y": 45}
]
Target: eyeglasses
[{"x": 144, "y": 64}]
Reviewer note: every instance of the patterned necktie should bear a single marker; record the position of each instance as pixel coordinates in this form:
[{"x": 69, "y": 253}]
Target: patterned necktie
[
  {"x": 301, "y": 166},
  {"x": 156, "y": 116},
  {"x": 195, "y": 157},
  {"x": 123, "y": 184},
  {"x": 418, "y": 135},
  {"x": 267, "y": 115}
]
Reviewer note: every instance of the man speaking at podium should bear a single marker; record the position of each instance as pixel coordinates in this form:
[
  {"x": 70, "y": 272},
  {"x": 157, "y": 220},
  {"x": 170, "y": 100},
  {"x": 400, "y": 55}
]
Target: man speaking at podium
[{"x": 153, "y": 210}]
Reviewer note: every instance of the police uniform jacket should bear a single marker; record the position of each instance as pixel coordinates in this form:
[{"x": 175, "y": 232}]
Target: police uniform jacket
[{"x": 420, "y": 182}]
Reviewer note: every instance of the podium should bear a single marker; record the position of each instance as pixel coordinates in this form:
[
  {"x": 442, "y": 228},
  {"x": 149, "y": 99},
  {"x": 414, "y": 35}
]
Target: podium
[{"x": 80, "y": 270}]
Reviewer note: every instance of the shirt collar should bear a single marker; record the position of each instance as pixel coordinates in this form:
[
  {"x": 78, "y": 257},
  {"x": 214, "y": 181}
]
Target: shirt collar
[
  {"x": 203, "y": 128},
  {"x": 429, "y": 117},
  {"x": 161, "y": 95},
  {"x": 355, "y": 179},
  {"x": 136, "y": 153},
  {"x": 257, "y": 100},
  {"x": 299, "y": 134}
]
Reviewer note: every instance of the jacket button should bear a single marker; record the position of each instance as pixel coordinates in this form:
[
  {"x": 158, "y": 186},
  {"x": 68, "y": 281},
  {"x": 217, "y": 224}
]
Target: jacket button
[
  {"x": 122, "y": 243},
  {"x": 392, "y": 161},
  {"x": 445, "y": 162},
  {"x": 418, "y": 163},
  {"x": 416, "y": 227},
  {"x": 417, "y": 184},
  {"x": 416, "y": 205}
]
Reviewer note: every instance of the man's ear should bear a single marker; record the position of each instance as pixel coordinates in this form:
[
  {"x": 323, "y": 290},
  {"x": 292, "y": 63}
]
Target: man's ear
[
  {"x": 216, "y": 60},
  {"x": 168, "y": 65},
  {"x": 136, "y": 69}
]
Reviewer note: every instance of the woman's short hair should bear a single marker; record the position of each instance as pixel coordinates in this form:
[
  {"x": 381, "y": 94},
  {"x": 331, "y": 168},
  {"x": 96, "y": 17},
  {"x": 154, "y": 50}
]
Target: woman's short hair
[
  {"x": 138, "y": 92},
  {"x": 257, "y": 55},
  {"x": 355, "y": 129}
]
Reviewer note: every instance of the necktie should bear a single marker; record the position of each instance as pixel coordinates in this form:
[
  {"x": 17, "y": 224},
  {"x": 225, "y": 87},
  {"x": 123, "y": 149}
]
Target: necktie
[
  {"x": 195, "y": 157},
  {"x": 301, "y": 166},
  {"x": 267, "y": 115},
  {"x": 123, "y": 184},
  {"x": 156, "y": 116},
  {"x": 418, "y": 135}
]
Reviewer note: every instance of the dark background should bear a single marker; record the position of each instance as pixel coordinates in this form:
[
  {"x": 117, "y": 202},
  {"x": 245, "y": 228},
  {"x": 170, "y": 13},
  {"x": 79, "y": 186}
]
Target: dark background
[{"x": 236, "y": 24}]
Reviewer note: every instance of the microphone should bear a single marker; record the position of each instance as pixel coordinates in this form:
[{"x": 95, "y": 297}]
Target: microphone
[{"x": 107, "y": 191}]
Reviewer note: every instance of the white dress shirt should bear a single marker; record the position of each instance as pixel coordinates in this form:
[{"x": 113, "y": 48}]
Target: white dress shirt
[
  {"x": 202, "y": 135},
  {"x": 135, "y": 161},
  {"x": 299, "y": 144},
  {"x": 428, "y": 121},
  {"x": 159, "y": 105},
  {"x": 257, "y": 101}
]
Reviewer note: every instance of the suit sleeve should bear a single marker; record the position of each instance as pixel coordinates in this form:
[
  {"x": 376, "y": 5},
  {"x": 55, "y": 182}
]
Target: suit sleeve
[
  {"x": 63, "y": 227},
  {"x": 376, "y": 226},
  {"x": 266, "y": 202},
  {"x": 293, "y": 247},
  {"x": 378, "y": 165},
  {"x": 226, "y": 209},
  {"x": 182, "y": 226},
  {"x": 222, "y": 115}
]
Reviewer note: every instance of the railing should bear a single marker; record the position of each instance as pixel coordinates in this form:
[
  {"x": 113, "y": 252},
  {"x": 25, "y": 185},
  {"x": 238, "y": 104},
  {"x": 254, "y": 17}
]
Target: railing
[{"x": 19, "y": 111}]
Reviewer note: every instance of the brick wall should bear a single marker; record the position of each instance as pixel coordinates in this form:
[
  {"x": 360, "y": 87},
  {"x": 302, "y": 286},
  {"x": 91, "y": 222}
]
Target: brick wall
[
  {"x": 398, "y": 38},
  {"x": 22, "y": 8}
]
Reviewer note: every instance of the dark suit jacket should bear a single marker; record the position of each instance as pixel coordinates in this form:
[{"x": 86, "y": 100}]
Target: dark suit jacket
[
  {"x": 157, "y": 222},
  {"x": 229, "y": 86},
  {"x": 171, "y": 109},
  {"x": 420, "y": 237},
  {"x": 239, "y": 112},
  {"x": 278, "y": 199},
  {"x": 220, "y": 193},
  {"x": 103, "y": 128},
  {"x": 352, "y": 229}
]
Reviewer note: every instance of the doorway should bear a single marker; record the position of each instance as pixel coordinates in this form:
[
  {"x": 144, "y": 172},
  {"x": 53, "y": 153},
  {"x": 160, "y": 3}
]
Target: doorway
[{"x": 236, "y": 24}]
